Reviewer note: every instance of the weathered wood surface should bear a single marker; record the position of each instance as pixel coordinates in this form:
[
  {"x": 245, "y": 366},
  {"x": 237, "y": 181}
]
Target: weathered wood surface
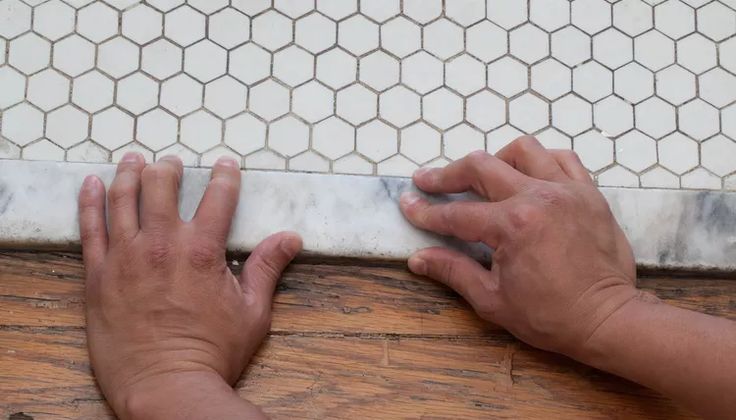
[{"x": 348, "y": 340}]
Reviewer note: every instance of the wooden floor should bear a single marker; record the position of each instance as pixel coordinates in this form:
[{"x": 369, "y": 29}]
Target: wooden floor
[{"x": 349, "y": 340}]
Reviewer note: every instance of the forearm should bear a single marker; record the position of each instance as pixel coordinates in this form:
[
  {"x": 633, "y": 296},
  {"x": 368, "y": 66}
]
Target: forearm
[
  {"x": 186, "y": 396},
  {"x": 686, "y": 355}
]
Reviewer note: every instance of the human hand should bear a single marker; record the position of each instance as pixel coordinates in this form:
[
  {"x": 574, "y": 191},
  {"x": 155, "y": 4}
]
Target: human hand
[
  {"x": 165, "y": 315},
  {"x": 562, "y": 265}
]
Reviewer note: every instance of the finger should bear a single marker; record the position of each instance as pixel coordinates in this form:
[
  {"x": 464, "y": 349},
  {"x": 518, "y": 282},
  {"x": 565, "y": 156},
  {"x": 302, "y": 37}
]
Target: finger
[
  {"x": 160, "y": 194},
  {"x": 571, "y": 164},
  {"x": 479, "y": 171},
  {"x": 469, "y": 221},
  {"x": 122, "y": 198},
  {"x": 266, "y": 263},
  {"x": 92, "y": 223},
  {"x": 216, "y": 210},
  {"x": 457, "y": 271},
  {"x": 527, "y": 155}
]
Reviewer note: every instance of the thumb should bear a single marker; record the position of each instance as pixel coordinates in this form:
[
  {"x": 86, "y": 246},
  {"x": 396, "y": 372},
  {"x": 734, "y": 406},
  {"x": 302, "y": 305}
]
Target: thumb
[{"x": 267, "y": 261}]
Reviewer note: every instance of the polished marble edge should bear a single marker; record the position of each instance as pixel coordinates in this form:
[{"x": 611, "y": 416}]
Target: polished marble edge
[{"x": 358, "y": 216}]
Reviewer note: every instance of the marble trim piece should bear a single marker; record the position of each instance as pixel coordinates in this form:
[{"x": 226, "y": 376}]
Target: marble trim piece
[{"x": 357, "y": 216}]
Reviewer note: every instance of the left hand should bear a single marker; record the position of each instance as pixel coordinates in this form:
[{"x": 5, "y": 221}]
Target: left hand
[{"x": 165, "y": 315}]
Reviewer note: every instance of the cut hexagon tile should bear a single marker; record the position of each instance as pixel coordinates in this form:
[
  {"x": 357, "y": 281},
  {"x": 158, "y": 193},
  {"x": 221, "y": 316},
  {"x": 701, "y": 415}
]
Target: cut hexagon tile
[
  {"x": 594, "y": 150},
  {"x": 200, "y": 131},
  {"x": 462, "y": 140},
  {"x": 728, "y": 121},
  {"x": 636, "y": 151},
  {"x": 422, "y": 72},
  {"x": 507, "y": 13},
  {"x": 552, "y": 138},
  {"x": 225, "y": 97},
  {"x": 528, "y": 113},
  {"x": 485, "y": 110},
  {"x": 208, "y": 7},
  {"x": 228, "y": 28},
  {"x": 67, "y": 126},
  {"x": 29, "y": 53},
  {"x": 486, "y": 41},
  {"x": 210, "y": 157},
  {"x": 572, "y": 115},
  {"x": 250, "y": 63},
  {"x": 401, "y": 37},
  {"x": 396, "y": 165},
  {"x": 379, "y": 70},
  {"x": 293, "y": 65},
  {"x": 678, "y": 153},
  {"x": 357, "y": 35},
  {"x": 157, "y": 129},
  {"x": 112, "y": 128},
  {"x": 508, "y": 76},
  {"x": 288, "y": 136},
  {"x": 701, "y": 179},
  {"x": 333, "y": 138},
  {"x": 137, "y": 93},
  {"x": 399, "y": 106},
  {"x": 420, "y": 142},
  {"x": 356, "y": 104},
  {"x": 245, "y": 134},
  {"x": 613, "y": 116},
  {"x": 309, "y": 161},
  {"x": 337, "y": 9},
  {"x": 93, "y": 91},
  {"x": 313, "y": 101},
  {"x": 48, "y": 89},
  {"x": 658, "y": 177},
  {"x": 187, "y": 156},
  {"x": 12, "y": 86},
  {"x": 376, "y": 140},
  {"x": 698, "y": 119},
  {"x": 422, "y": 11},
  {"x": 336, "y": 68},
  {"x": 718, "y": 155},
  {"x": 617, "y": 176},
  {"x": 74, "y": 55},
  {"x": 118, "y": 154},
  {"x": 87, "y": 151},
  {"x": 181, "y": 94},
  {"x": 442, "y": 108},
  {"x": 294, "y": 8},
  {"x": 269, "y": 100},
  {"x": 352, "y": 164},
  {"x": 22, "y": 124},
  {"x": 118, "y": 57},
  {"x": 727, "y": 50},
  {"x": 315, "y": 33},
  {"x": 465, "y": 74},
  {"x": 43, "y": 150}
]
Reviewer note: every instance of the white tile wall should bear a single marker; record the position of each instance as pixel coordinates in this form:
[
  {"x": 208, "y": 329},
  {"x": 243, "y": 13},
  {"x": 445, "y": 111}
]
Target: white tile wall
[{"x": 643, "y": 90}]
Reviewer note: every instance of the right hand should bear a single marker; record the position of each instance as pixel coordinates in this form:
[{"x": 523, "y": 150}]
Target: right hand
[{"x": 562, "y": 265}]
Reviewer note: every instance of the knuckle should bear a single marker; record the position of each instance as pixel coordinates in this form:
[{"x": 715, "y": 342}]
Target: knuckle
[
  {"x": 121, "y": 193},
  {"x": 526, "y": 143},
  {"x": 204, "y": 257},
  {"x": 159, "y": 252},
  {"x": 477, "y": 158},
  {"x": 526, "y": 215}
]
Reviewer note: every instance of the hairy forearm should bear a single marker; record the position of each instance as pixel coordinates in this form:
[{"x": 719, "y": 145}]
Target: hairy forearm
[
  {"x": 186, "y": 396},
  {"x": 686, "y": 355}
]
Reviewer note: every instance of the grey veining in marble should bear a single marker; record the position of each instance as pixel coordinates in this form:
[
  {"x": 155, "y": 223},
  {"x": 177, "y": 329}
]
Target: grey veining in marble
[{"x": 356, "y": 216}]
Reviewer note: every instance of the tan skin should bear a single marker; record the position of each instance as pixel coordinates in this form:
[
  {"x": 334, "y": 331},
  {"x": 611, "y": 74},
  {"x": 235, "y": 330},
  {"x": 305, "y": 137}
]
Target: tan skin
[{"x": 562, "y": 279}]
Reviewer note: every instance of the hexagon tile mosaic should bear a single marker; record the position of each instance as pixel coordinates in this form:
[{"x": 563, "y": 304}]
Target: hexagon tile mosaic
[{"x": 643, "y": 90}]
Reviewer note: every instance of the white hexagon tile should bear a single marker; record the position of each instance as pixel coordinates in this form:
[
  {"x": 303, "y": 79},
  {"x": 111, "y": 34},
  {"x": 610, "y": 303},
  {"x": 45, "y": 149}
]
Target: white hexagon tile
[{"x": 643, "y": 90}]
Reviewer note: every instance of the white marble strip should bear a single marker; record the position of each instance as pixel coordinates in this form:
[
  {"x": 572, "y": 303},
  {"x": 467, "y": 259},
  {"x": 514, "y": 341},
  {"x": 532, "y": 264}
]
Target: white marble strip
[{"x": 355, "y": 216}]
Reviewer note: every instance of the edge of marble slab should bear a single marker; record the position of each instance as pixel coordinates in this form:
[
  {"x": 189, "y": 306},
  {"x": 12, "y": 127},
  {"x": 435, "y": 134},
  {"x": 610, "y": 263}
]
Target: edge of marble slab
[{"x": 358, "y": 216}]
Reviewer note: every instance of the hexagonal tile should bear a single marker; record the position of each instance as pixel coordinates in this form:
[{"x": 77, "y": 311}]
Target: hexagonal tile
[
  {"x": 269, "y": 100},
  {"x": 718, "y": 154},
  {"x": 486, "y": 41},
  {"x": 87, "y": 151},
  {"x": 501, "y": 137},
  {"x": 612, "y": 48},
  {"x": 29, "y": 53},
  {"x": 336, "y": 68},
  {"x": 633, "y": 17},
  {"x": 181, "y": 94},
  {"x": 309, "y": 161},
  {"x": 675, "y": 85},
  {"x": 572, "y": 115},
  {"x": 161, "y": 59},
  {"x": 265, "y": 159},
  {"x": 229, "y": 28},
  {"x": 508, "y": 77},
  {"x": 442, "y": 108},
  {"x": 716, "y": 21},
  {"x": 357, "y": 35},
  {"x": 337, "y": 9},
  {"x": 74, "y": 55},
  {"x": 13, "y": 87},
  {"x": 678, "y": 153},
  {"x": 594, "y": 150},
  {"x": 333, "y": 138},
  {"x": 467, "y": 12},
  {"x": 48, "y": 89},
  {"x": 617, "y": 176},
  {"x": 185, "y": 26},
  {"x": 654, "y": 50},
  {"x": 462, "y": 140},
  {"x": 53, "y": 19},
  {"x": 294, "y": 8},
  {"x": 507, "y": 13},
  {"x": 399, "y": 106},
  {"x": 655, "y": 117},
  {"x": 554, "y": 139},
  {"x": 225, "y": 97},
  {"x": 205, "y": 61},
  {"x": 15, "y": 18},
  {"x": 288, "y": 136},
  {"x": 728, "y": 55},
  {"x": 208, "y": 7},
  {"x": 315, "y": 33},
  {"x": 142, "y": 24},
  {"x": 356, "y": 104},
  {"x": 43, "y": 150},
  {"x": 422, "y": 72},
  {"x": 659, "y": 178},
  {"x": 592, "y": 81},
  {"x": 634, "y": 83},
  {"x": 571, "y": 46},
  {"x": 97, "y": 22},
  {"x": 551, "y": 79},
  {"x": 112, "y": 128},
  {"x": 22, "y": 124},
  {"x": 157, "y": 129},
  {"x": 592, "y": 16},
  {"x": 528, "y": 113},
  {"x": 118, "y": 57},
  {"x": 698, "y": 119},
  {"x": 529, "y": 43},
  {"x": 421, "y": 11},
  {"x": 313, "y": 101},
  {"x": 251, "y": 7},
  {"x": 701, "y": 179},
  {"x": 250, "y": 63},
  {"x": 67, "y": 126},
  {"x": 465, "y": 74},
  {"x": 245, "y": 134},
  {"x": 379, "y": 70},
  {"x": 613, "y": 116},
  {"x": 137, "y": 93},
  {"x": 420, "y": 142},
  {"x": 674, "y": 18},
  {"x": 485, "y": 110},
  {"x": 718, "y": 87},
  {"x": 380, "y": 10},
  {"x": 696, "y": 53},
  {"x": 376, "y": 141},
  {"x": 401, "y": 37},
  {"x": 200, "y": 131},
  {"x": 93, "y": 91},
  {"x": 728, "y": 119},
  {"x": 549, "y": 15},
  {"x": 636, "y": 151},
  {"x": 443, "y": 39},
  {"x": 293, "y": 65}
]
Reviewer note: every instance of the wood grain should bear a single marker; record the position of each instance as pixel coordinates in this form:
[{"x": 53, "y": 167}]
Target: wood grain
[{"x": 348, "y": 340}]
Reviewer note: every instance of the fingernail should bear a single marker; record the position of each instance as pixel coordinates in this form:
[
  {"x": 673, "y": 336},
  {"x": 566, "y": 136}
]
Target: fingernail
[
  {"x": 417, "y": 266},
  {"x": 131, "y": 157},
  {"x": 290, "y": 245},
  {"x": 227, "y": 161},
  {"x": 171, "y": 158},
  {"x": 408, "y": 198},
  {"x": 422, "y": 172},
  {"x": 91, "y": 182}
]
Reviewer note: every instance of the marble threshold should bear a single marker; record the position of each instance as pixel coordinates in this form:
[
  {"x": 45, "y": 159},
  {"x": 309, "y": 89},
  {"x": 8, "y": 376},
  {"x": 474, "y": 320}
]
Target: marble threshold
[{"x": 358, "y": 216}]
